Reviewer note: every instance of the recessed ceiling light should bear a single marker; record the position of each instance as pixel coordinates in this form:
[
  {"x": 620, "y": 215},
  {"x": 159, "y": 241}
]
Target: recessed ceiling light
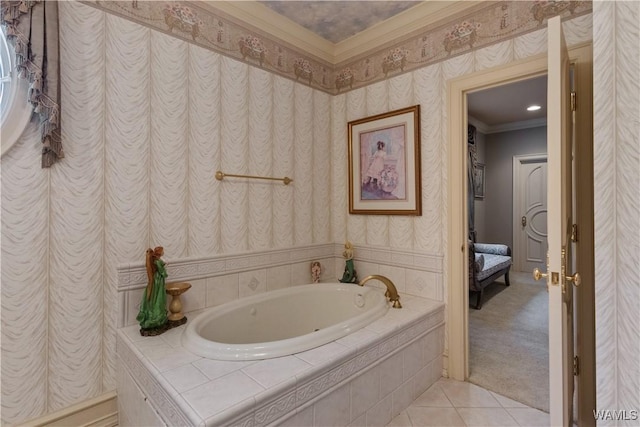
[{"x": 533, "y": 108}]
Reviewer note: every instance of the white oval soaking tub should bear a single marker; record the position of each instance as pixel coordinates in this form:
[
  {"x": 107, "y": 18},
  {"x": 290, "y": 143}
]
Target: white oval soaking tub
[{"x": 283, "y": 322}]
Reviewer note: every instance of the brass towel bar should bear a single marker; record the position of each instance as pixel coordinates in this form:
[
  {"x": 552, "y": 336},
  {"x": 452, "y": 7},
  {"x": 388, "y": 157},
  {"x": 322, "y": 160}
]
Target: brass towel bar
[{"x": 221, "y": 175}]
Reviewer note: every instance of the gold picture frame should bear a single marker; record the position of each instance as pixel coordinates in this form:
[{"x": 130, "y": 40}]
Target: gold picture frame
[{"x": 384, "y": 164}]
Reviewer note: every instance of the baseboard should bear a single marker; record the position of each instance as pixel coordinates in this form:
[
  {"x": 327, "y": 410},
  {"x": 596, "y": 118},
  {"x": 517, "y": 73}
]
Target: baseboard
[{"x": 101, "y": 411}]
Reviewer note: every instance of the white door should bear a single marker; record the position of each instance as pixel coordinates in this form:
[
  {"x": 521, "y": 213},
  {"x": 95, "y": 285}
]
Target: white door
[
  {"x": 559, "y": 221},
  {"x": 530, "y": 212}
]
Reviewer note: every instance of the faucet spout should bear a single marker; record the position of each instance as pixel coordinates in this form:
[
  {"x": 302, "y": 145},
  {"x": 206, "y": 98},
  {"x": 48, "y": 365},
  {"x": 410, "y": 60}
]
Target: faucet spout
[{"x": 392, "y": 292}]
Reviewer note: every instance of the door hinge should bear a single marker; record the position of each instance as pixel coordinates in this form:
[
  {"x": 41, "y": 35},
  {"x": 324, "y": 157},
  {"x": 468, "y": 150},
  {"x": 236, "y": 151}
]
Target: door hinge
[
  {"x": 576, "y": 365},
  {"x": 573, "y": 101},
  {"x": 574, "y": 233}
]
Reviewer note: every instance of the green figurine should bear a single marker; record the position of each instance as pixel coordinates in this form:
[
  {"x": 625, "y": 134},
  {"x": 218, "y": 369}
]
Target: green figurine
[
  {"x": 349, "y": 275},
  {"x": 153, "y": 309}
]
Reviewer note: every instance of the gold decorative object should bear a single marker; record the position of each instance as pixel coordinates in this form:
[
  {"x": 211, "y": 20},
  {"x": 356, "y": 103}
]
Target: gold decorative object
[
  {"x": 221, "y": 175},
  {"x": 176, "y": 317},
  {"x": 391, "y": 293}
]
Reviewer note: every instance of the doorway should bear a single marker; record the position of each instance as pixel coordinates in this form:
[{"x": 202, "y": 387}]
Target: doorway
[
  {"x": 457, "y": 228},
  {"x": 508, "y": 336}
]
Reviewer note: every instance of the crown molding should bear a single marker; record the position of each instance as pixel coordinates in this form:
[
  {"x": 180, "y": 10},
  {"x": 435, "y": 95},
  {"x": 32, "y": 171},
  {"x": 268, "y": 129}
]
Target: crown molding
[
  {"x": 486, "y": 129},
  {"x": 274, "y": 24},
  {"x": 399, "y": 28},
  {"x": 391, "y": 31},
  {"x": 524, "y": 124}
]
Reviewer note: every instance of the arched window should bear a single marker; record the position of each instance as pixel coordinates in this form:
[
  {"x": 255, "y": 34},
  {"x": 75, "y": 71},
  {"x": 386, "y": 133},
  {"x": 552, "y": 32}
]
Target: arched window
[{"x": 15, "y": 110}]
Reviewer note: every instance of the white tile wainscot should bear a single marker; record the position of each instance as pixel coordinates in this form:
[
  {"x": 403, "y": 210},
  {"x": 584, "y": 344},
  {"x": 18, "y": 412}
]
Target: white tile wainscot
[
  {"x": 365, "y": 378},
  {"x": 223, "y": 278}
]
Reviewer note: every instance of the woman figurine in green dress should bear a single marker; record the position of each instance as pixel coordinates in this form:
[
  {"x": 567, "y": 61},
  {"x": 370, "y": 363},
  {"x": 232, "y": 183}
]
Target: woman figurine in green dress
[
  {"x": 153, "y": 309},
  {"x": 349, "y": 275}
]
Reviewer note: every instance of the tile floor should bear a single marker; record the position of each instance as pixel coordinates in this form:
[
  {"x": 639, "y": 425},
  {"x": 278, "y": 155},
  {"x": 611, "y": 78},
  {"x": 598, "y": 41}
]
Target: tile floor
[{"x": 455, "y": 403}]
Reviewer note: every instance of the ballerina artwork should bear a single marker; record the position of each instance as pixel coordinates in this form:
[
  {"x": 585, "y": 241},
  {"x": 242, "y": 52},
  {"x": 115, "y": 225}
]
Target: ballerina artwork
[
  {"x": 372, "y": 175},
  {"x": 382, "y": 162}
]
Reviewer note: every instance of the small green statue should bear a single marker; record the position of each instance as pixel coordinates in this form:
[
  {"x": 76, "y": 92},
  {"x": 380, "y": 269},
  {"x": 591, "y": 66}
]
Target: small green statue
[
  {"x": 349, "y": 275},
  {"x": 153, "y": 308}
]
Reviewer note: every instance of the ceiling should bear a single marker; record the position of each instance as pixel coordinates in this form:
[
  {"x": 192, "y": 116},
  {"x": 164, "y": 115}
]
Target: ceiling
[
  {"x": 342, "y": 29},
  {"x": 508, "y": 103},
  {"x": 336, "y": 21}
]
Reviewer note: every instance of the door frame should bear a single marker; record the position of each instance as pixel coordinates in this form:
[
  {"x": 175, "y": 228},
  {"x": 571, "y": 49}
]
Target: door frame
[
  {"x": 517, "y": 161},
  {"x": 458, "y": 300},
  {"x": 457, "y": 354}
]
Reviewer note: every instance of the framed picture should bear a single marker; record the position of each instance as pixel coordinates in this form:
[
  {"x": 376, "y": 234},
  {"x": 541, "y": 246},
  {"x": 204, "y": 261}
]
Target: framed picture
[
  {"x": 384, "y": 164},
  {"x": 478, "y": 181}
]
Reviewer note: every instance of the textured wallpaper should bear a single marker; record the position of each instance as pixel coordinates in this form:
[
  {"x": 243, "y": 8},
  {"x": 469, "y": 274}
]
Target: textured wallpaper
[
  {"x": 148, "y": 119},
  {"x": 616, "y": 52}
]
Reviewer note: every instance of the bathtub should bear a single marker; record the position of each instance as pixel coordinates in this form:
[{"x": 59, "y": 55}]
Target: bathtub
[
  {"x": 283, "y": 322},
  {"x": 373, "y": 373}
]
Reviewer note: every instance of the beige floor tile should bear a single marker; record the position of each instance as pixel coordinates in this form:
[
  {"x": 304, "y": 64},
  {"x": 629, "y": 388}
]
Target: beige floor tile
[
  {"x": 455, "y": 403},
  {"x": 529, "y": 417},
  {"x": 440, "y": 417},
  {"x": 467, "y": 395},
  {"x": 401, "y": 420},
  {"x": 434, "y": 397},
  {"x": 505, "y": 402},
  {"x": 485, "y": 417}
]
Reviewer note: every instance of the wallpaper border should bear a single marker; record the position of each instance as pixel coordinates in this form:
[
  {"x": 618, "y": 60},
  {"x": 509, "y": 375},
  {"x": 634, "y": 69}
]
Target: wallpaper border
[{"x": 457, "y": 35}]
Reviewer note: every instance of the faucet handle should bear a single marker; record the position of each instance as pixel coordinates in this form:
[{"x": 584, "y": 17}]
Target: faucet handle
[{"x": 396, "y": 303}]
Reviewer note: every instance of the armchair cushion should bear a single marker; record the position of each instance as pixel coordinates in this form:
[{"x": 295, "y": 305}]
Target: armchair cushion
[
  {"x": 493, "y": 264},
  {"x": 492, "y": 248}
]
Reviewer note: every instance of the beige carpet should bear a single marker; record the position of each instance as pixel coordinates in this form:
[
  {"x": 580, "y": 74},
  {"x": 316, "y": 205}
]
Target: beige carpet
[{"x": 509, "y": 343}]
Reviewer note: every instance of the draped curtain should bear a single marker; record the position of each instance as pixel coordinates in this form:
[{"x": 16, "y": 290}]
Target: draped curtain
[
  {"x": 32, "y": 28},
  {"x": 471, "y": 164}
]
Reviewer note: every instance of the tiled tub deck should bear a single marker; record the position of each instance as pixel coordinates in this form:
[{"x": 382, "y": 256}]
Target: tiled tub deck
[{"x": 365, "y": 378}]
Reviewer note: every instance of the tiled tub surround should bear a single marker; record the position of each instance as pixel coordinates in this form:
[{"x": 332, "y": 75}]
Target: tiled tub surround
[{"x": 365, "y": 378}]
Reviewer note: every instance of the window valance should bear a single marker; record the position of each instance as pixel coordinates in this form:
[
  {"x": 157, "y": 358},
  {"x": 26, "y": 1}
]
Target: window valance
[{"x": 32, "y": 28}]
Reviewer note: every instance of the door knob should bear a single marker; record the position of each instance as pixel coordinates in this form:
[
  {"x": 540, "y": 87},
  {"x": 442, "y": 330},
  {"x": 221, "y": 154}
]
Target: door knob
[
  {"x": 524, "y": 221},
  {"x": 537, "y": 274},
  {"x": 575, "y": 279}
]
